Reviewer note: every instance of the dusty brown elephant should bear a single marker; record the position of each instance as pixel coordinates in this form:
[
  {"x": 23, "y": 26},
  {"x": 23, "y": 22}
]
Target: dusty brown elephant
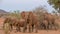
[
  {"x": 7, "y": 20},
  {"x": 24, "y": 15},
  {"x": 33, "y": 21},
  {"x": 21, "y": 23},
  {"x": 11, "y": 21},
  {"x": 50, "y": 18},
  {"x": 15, "y": 22},
  {"x": 57, "y": 23},
  {"x": 45, "y": 24}
]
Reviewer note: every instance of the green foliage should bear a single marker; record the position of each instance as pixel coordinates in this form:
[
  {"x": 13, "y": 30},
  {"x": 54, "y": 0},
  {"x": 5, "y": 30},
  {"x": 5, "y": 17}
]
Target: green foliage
[
  {"x": 16, "y": 14},
  {"x": 55, "y": 3}
]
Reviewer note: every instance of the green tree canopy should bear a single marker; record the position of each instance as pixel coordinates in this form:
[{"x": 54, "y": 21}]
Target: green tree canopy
[{"x": 55, "y": 4}]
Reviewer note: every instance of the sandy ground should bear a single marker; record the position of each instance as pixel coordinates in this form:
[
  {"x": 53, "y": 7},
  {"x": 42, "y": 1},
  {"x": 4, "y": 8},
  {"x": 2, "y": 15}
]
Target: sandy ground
[{"x": 39, "y": 32}]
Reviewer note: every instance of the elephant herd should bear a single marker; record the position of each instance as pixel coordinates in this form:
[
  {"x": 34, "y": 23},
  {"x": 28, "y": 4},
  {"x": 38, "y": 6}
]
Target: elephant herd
[{"x": 31, "y": 20}]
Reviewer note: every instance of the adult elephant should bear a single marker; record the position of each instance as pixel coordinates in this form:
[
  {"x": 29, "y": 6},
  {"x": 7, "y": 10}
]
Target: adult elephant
[
  {"x": 24, "y": 15},
  {"x": 33, "y": 21},
  {"x": 18, "y": 23},
  {"x": 50, "y": 18},
  {"x": 7, "y": 20},
  {"x": 57, "y": 23},
  {"x": 15, "y": 22},
  {"x": 44, "y": 24},
  {"x": 11, "y": 21}
]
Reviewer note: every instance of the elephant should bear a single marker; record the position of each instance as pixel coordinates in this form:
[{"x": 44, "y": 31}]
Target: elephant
[
  {"x": 15, "y": 22},
  {"x": 33, "y": 21},
  {"x": 50, "y": 18}
]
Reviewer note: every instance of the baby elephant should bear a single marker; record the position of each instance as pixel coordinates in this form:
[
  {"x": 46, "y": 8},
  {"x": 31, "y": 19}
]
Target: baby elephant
[
  {"x": 45, "y": 24},
  {"x": 21, "y": 23}
]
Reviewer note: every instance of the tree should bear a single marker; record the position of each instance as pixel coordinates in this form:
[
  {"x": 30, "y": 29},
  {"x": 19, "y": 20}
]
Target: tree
[
  {"x": 40, "y": 12},
  {"x": 16, "y": 14},
  {"x": 55, "y": 4}
]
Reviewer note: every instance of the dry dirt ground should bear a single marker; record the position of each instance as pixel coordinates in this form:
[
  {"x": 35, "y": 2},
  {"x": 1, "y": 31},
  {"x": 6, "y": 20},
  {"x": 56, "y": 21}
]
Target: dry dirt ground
[{"x": 40, "y": 31}]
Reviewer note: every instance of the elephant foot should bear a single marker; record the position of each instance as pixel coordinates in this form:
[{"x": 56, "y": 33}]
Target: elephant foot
[
  {"x": 23, "y": 31},
  {"x": 15, "y": 31},
  {"x": 19, "y": 31},
  {"x": 29, "y": 31},
  {"x": 36, "y": 31}
]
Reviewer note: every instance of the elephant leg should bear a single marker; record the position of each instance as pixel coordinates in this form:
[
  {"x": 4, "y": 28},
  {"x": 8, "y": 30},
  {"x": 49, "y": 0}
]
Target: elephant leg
[
  {"x": 11, "y": 27},
  {"x": 24, "y": 28},
  {"x": 18, "y": 29},
  {"x": 30, "y": 27},
  {"x": 44, "y": 26},
  {"x": 48, "y": 26},
  {"x": 53, "y": 25},
  {"x": 56, "y": 26},
  {"x": 36, "y": 27}
]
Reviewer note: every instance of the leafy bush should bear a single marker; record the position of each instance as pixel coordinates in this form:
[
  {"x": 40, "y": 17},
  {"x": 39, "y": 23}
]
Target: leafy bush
[{"x": 15, "y": 14}]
